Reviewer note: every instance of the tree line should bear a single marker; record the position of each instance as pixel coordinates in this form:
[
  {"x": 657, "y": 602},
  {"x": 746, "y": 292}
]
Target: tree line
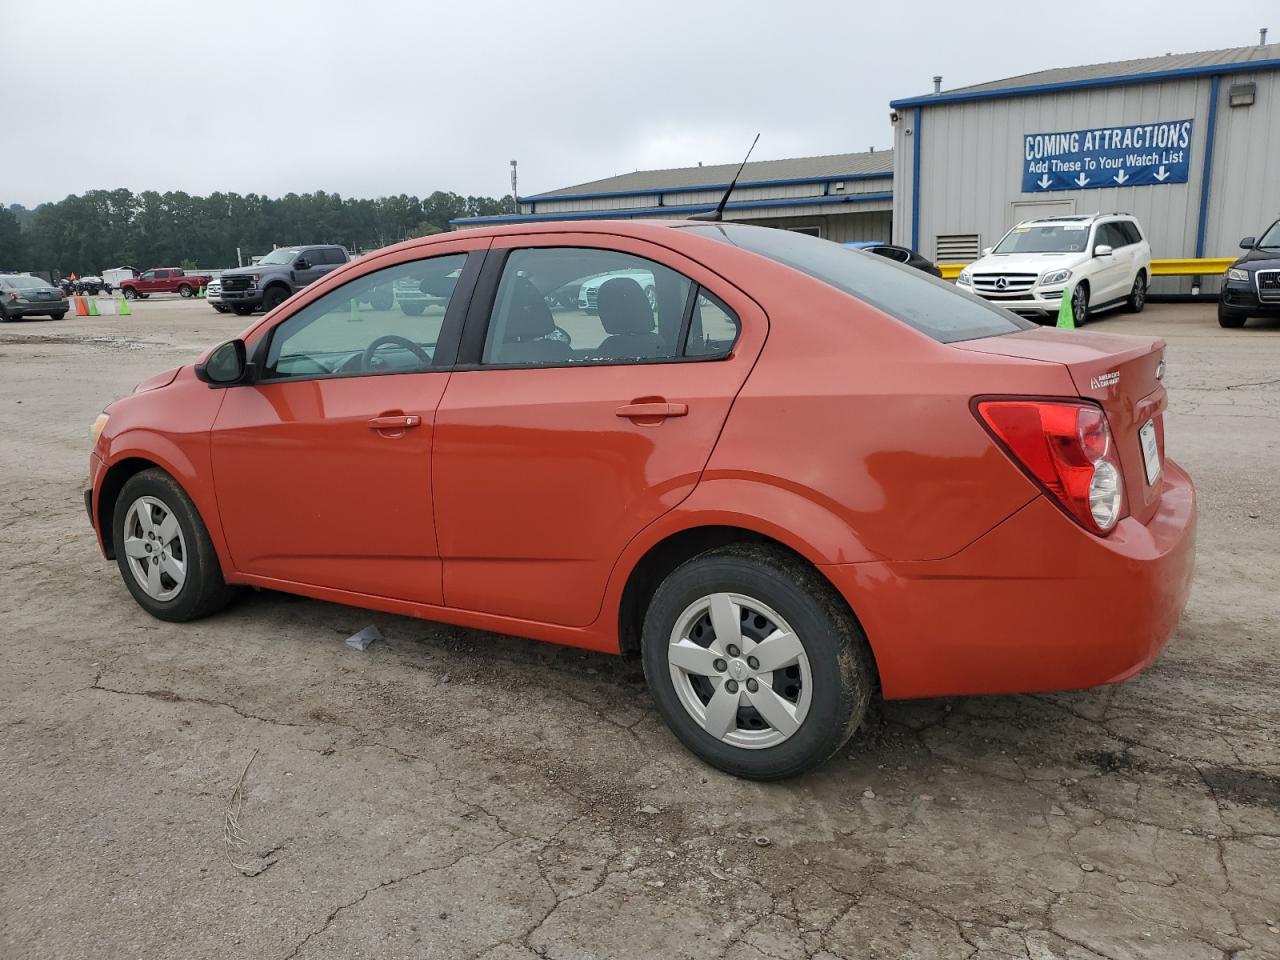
[{"x": 102, "y": 229}]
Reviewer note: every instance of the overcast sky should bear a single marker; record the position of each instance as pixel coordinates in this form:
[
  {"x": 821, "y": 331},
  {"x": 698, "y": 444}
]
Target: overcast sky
[{"x": 379, "y": 97}]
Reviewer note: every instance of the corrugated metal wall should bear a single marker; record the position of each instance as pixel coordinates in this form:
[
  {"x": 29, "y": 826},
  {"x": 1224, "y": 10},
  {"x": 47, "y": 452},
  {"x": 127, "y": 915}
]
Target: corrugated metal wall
[{"x": 971, "y": 164}]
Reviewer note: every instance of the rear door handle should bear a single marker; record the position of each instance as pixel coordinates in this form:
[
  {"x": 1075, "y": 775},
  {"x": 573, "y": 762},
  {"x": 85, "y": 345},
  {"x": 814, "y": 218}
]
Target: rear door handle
[
  {"x": 394, "y": 423},
  {"x": 652, "y": 409}
]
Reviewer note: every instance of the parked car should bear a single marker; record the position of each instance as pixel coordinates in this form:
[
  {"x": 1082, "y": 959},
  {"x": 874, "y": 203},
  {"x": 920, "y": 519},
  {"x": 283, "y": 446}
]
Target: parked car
[
  {"x": 164, "y": 280},
  {"x": 22, "y": 295},
  {"x": 278, "y": 276},
  {"x": 213, "y": 294},
  {"x": 901, "y": 493},
  {"x": 1104, "y": 259},
  {"x": 1251, "y": 287},
  {"x": 897, "y": 254}
]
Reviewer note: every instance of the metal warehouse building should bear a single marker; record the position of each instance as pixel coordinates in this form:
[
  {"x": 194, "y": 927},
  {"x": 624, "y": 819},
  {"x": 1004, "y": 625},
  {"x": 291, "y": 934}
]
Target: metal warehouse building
[
  {"x": 842, "y": 197},
  {"x": 1189, "y": 144}
]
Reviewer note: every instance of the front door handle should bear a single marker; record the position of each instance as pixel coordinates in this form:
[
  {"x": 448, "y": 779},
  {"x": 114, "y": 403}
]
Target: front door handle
[
  {"x": 394, "y": 423},
  {"x": 653, "y": 409}
]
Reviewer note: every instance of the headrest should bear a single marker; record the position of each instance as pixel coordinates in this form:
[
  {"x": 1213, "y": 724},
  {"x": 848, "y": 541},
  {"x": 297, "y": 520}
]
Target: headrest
[
  {"x": 528, "y": 315},
  {"x": 623, "y": 307}
]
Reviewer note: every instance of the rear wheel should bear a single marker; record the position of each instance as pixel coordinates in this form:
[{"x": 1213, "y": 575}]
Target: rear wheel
[
  {"x": 754, "y": 662},
  {"x": 164, "y": 551},
  {"x": 1230, "y": 319},
  {"x": 1138, "y": 295},
  {"x": 413, "y": 309},
  {"x": 58, "y": 316}
]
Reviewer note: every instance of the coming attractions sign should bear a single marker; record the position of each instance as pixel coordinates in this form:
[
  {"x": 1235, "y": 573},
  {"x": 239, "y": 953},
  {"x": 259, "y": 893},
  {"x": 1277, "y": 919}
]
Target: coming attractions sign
[{"x": 1144, "y": 154}]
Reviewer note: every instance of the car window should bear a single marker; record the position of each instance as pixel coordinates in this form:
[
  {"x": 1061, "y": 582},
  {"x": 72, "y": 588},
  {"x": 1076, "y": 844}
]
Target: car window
[
  {"x": 149, "y": 275},
  {"x": 387, "y": 321},
  {"x": 1045, "y": 238},
  {"x": 713, "y": 328},
  {"x": 24, "y": 283},
  {"x": 562, "y": 305},
  {"x": 1111, "y": 234},
  {"x": 932, "y": 306},
  {"x": 331, "y": 255},
  {"x": 1130, "y": 231}
]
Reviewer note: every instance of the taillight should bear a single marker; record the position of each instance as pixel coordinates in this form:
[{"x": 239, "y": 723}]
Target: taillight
[
  {"x": 1066, "y": 447},
  {"x": 13, "y": 294}
]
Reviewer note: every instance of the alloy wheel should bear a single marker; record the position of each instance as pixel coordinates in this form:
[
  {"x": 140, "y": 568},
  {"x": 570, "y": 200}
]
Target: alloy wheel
[
  {"x": 740, "y": 671},
  {"x": 155, "y": 548}
]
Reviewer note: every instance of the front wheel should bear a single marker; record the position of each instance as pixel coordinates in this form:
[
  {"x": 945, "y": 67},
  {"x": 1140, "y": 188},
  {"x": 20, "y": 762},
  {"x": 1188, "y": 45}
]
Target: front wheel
[
  {"x": 185, "y": 292},
  {"x": 130, "y": 293},
  {"x": 1138, "y": 294},
  {"x": 1080, "y": 305},
  {"x": 273, "y": 298},
  {"x": 754, "y": 662},
  {"x": 1230, "y": 319},
  {"x": 164, "y": 551}
]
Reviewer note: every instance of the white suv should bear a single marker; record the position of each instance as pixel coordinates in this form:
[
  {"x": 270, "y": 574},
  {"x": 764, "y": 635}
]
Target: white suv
[{"x": 1105, "y": 258}]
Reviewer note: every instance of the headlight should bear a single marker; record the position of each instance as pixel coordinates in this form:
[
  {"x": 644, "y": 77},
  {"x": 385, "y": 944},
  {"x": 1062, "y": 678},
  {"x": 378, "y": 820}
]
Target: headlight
[
  {"x": 1237, "y": 274},
  {"x": 1056, "y": 276},
  {"x": 95, "y": 432},
  {"x": 965, "y": 278}
]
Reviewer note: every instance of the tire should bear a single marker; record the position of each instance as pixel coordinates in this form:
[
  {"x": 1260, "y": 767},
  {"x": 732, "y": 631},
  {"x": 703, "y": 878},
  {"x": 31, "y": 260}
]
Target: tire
[
  {"x": 1230, "y": 319},
  {"x": 1138, "y": 294},
  {"x": 273, "y": 297},
  {"x": 130, "y": 293},
  {"x": 219, "y": 307},
  {"x": 827, "y": 687},
  {"x": 185, "y": 292},
  {"x": 57, "y": 316},
  {"x": 190, "y": 584},
  {"x": 242, "y": 309},
  {"x": 1080, "y": 304},
  {"x": 413, "y": 309},
  {"x": 381, "y": 298}
]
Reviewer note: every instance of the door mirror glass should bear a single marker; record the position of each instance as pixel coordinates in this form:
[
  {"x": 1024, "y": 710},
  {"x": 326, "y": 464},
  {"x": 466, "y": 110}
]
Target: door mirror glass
[
  {"x": 1102, "y": 250},
  {"x": 1248, "y": 243},
  {"x": 225, "y": 365}
]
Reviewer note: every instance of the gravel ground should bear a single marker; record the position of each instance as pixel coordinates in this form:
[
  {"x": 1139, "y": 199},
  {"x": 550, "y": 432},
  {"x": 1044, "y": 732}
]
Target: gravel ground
[{"x": 448, "y": 793}]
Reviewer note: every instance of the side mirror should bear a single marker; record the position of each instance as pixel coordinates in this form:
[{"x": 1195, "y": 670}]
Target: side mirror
[
  {"x": 1248, "y": 243},
  {"x": 226, "y": 364},
  {"x": 1102, "y": 250},
  {"x": 986, "y": 251},
  {"x": 302, "y": 263}
]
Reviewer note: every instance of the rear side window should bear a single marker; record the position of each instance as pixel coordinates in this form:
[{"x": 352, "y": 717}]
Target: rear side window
[
  {"x": 331, "y": 255},
  {"x": 713, "y": 328},
  {"x": 932, "y": 306}
]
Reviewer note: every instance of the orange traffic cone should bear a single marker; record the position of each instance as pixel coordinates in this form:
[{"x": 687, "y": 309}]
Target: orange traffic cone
[{"x": 82, "y": 308}]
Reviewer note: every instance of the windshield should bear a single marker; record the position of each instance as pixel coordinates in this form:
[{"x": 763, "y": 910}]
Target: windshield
[
  {"x": 25, "y": 283},
  {"x": 1046, "y": 238},
  {"x": 932, "y": 306},
  {"x": 283, "y": 255},
  {"x": 1272, "y": 237}
]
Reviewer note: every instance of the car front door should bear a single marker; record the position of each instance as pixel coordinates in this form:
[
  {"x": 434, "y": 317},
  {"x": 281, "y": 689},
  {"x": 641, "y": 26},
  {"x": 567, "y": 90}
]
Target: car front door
[
  {"x": 322, "y": 466},
  {"x": 562, "y": 432},
  {"x": 1113, "y": 274},
  {"x": 147, "y": 281},
  {"x": 315, "y": 267}
]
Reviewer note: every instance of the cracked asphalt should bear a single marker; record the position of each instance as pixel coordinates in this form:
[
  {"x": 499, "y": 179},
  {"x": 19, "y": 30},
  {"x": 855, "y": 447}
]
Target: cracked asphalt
[{"x": 453, "y": 794}]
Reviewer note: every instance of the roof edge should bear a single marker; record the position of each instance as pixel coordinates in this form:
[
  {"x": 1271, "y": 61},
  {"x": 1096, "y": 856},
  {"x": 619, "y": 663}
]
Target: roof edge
[
  {"x": 654, "y": 191},
  {"x": 1128, "y": 79}
]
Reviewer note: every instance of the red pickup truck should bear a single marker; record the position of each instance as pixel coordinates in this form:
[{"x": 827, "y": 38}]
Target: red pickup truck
[{"x": 164, "y": 280}]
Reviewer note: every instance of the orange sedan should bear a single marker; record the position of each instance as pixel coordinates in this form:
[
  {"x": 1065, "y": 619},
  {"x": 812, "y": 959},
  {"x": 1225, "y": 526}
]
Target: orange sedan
[{"x": 783, "y": 472}]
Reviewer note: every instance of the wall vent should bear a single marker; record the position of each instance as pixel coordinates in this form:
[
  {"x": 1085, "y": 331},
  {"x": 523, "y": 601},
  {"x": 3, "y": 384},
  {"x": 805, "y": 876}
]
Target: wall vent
[{"x": 958, "y": 248}]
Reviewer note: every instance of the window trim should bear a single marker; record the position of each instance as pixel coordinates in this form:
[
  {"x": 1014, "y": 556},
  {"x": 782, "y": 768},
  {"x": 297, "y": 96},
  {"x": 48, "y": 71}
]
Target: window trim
[
  {"x": 446, "y": 342},
  {"x": 484, "y": 297}
]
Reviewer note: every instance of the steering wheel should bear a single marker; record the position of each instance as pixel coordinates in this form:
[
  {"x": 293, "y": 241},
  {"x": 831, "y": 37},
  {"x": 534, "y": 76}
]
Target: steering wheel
[{"x": 391, "y": 338}]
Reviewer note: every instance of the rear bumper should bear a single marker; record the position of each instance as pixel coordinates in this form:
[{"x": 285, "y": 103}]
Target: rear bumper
[
  {"x": 41, "y": 308},
  {"x": 1036, "y": 604}
]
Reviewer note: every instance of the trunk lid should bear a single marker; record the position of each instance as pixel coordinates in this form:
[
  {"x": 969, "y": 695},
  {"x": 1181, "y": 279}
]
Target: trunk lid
[{"x": 1122, "y": 374}]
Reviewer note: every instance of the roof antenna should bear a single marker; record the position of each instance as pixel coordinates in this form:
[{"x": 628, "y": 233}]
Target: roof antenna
[{"x": 718, "y": 212}]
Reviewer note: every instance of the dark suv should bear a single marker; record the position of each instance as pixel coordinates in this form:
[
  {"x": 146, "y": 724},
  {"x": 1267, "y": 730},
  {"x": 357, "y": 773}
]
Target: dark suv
[
  {"x": 1251, "y": 287},
  {"x": 277, "y": 276}
]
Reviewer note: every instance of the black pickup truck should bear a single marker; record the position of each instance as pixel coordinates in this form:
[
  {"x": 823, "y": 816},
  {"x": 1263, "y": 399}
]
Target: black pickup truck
[{"x": 277, "y": 276}]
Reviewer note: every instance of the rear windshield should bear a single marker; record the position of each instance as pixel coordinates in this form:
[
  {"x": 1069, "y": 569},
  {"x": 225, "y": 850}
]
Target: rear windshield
[
  {"x": 932, "y": 306},
  {"x": 25, "y": 283}
]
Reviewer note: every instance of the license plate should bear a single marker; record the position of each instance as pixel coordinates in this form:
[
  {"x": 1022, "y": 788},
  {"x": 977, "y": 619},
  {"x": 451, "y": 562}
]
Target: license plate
[{"x": 1150, "y": 451}]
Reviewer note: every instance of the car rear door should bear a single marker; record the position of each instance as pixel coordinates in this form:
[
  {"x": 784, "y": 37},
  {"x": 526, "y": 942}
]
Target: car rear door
[
  {"x": 554, "y": 448},
  {"x": 322, "y": 467}
]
